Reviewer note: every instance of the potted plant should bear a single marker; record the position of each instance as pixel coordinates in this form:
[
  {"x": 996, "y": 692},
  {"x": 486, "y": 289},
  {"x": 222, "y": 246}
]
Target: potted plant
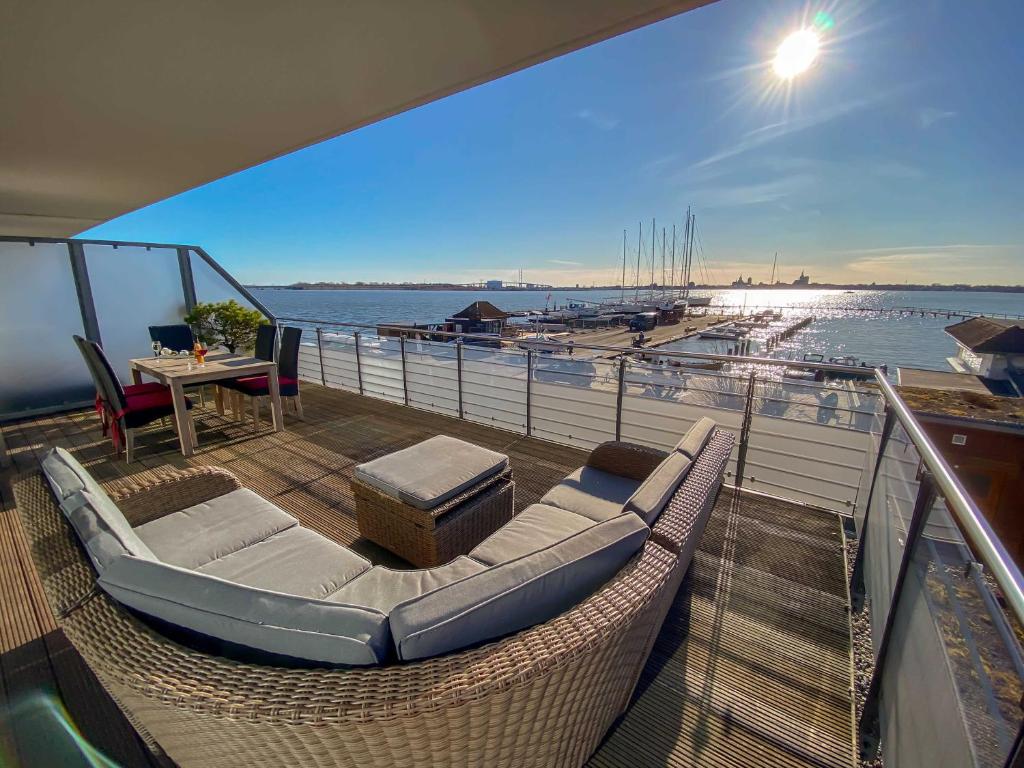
[{"x": 226, "y": 323}]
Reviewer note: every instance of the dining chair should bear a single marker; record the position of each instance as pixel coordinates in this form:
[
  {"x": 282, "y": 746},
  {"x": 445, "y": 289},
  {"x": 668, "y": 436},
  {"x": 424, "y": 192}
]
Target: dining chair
[
  {"x": 176, "y": 337},
  {"x": 130, "y": 390},
  {"x": 123, "y": 413},
  {"x": 256, "y": 387}
]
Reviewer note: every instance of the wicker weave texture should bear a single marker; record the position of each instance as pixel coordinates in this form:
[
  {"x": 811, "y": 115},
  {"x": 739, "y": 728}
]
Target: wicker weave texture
[
  {"x": 427, "y": 538},
  {"x": 542, "y": 697},
  {"x": 681, "y": 525}
]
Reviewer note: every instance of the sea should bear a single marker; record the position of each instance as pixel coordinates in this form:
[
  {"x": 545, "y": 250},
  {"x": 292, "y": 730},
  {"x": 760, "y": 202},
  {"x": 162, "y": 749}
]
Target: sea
[{"x": 840, "y": 327}]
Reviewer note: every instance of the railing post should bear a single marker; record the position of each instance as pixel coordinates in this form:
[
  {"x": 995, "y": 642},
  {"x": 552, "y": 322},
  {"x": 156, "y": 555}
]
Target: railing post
[
  {"x": 359, "y": 362},
  {"x": 529, "y": 379},
  {"x": 857, "y": 577},
  {"x": 868, "y": 728},
  {"x": 458, "y": 359},
  {"x": 618, "y": 398},
  {"x": 320, "y": 349},
  {"x": 405, "y": 378},
  {"x": 748, "y": 415}
]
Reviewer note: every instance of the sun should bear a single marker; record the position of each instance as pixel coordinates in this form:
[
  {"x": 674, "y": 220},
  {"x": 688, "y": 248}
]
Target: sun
[{"x": 796, "y": 54}]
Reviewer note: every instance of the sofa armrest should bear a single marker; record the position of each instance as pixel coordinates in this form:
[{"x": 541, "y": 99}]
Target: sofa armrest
[
  {"x": 143, "y": 500},
  {"x": 626, "y": 459}
]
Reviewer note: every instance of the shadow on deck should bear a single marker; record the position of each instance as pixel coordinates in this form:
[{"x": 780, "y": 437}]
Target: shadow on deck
[{"x": 752, "y": 666}]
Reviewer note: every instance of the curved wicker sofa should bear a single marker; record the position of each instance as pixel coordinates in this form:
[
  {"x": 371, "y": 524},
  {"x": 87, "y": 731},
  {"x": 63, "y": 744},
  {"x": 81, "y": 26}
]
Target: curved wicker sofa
[{"x": 544, "y": 696}]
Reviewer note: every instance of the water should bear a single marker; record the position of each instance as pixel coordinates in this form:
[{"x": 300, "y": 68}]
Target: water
[{"x": 908, "y": 341}]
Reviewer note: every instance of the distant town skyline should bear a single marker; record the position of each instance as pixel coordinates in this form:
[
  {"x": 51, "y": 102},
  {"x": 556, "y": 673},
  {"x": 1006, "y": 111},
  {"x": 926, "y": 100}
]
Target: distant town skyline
[{"x": 895, "y": 157}]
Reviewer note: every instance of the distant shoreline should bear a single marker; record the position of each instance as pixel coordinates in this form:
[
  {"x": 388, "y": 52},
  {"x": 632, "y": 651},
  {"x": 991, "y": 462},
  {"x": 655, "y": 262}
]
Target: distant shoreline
[{"x": 607, "y": 288}]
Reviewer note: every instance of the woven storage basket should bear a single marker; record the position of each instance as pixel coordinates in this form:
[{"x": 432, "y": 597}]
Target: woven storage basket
[{"x": 436, "y": 536}]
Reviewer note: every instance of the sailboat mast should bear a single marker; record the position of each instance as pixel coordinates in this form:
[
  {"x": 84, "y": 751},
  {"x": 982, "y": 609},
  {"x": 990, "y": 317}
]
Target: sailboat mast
[
  {"x": 654, "y": 239},
  {"x": 689, "y": 254},
  {"x": 672, "y": 278},
  {"x": 684, "y": 268},
  {"x": 774, "y": 262},
  {"x": 623, "y": 296},
  {"x": 639, "y": 241},
  {"x": 663, "y": 283}
]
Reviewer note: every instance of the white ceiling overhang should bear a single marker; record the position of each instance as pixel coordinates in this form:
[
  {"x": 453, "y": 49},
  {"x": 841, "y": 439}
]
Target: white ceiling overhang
[{"x": 109, "y": 106}]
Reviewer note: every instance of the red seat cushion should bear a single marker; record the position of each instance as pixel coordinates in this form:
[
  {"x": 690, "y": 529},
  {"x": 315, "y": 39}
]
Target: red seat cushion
[
  {"x": 260, "y": 384},
  {"x": 148, "y": 400},
  {"x": 143, "y": 389}
]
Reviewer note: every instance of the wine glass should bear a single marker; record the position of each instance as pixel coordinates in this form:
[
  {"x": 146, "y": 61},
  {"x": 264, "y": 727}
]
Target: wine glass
[{"x": 156, "y": 347}]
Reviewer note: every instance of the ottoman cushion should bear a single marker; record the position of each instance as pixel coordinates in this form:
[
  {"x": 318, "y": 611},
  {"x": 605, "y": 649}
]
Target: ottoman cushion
[{"x": 429, "y": 473}]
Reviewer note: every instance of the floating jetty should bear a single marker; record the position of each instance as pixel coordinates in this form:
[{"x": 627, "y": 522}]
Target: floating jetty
[{"x": 948, "y": 314}]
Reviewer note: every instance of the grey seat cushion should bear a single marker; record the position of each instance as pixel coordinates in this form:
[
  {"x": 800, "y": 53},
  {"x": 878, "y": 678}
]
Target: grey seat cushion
[
  {"x": 536, "y": 527},
  {"x": 520, "y": 593},
  {"x": 205, "y": 532},
  {"x": 98, "y": 523},
  {"x": 593, "y": 493},
  {"x": 296, "y": 561},
  {"x": 654, "y": 493},
  {"x": 431, "y": 472},
  {"x": 696, "y": 437},
  {"x": 384, "y": 588},
  {"x": 299, "y": 627}
]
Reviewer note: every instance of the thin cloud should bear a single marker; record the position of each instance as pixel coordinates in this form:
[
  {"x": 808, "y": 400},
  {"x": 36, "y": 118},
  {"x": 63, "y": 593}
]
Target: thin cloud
[
  {"x": 566, "y": 262},
  {"x": 929, "y": 116},
  {"x": 755, "y": 194},
  {"x": 598, "y": 120},
  {"x": 774, "y": 131}
]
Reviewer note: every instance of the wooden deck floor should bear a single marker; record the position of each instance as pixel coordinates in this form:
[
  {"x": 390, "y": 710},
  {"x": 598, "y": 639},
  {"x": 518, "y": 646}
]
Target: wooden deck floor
[{"x": 751, "y": 668}]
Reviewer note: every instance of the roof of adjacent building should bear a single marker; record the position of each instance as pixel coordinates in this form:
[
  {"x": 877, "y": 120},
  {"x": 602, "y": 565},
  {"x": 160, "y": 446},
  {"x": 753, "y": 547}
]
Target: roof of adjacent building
[
  {"x": 989, "y": 334},
  {"x": 108, "y": 108},
  {"x": 482, "y": 310}
]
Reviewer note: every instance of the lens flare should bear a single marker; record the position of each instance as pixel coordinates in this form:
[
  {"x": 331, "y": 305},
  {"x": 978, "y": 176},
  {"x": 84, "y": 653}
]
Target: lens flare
[{"x": 796, "y": 54}]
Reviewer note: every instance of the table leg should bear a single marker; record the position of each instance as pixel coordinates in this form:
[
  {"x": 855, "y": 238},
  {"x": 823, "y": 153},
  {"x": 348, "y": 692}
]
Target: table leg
[
  {"x": 218, "y": 396},
  {"x": 136, "y": 375},
  {"x": 181, "y": 418},
  {"x": 275, "y": 399}
]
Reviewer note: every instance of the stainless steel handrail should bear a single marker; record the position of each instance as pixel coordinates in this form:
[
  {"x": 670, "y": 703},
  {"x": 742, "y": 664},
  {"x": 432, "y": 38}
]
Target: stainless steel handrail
[
  {"x": 977, "y": 529},
  {"x": 830, "y": 367}
]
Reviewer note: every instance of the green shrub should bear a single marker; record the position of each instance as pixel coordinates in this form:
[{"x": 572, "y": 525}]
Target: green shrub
[{"x": 227, "y": 323}]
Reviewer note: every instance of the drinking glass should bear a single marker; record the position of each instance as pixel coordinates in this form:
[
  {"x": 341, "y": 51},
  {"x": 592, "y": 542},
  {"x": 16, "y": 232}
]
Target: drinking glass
[{"x": 156, "y": 346}]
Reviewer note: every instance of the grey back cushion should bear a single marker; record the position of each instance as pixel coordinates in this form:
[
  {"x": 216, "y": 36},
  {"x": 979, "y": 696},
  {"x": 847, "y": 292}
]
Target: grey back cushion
[
  {"x": 300, "y": 627},
  {"x": 384, "y": 588},
  {"x": 99, "y": 524},
  {"x": 654, "y": 493},
  {"x": 516, "y": 594},
  {"x": 696, "y": 437}
]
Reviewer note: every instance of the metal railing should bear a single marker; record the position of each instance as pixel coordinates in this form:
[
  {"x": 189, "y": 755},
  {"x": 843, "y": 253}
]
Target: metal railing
[
  {"x": 602, "y": 392},
  {"x": 947, "y": 607}
]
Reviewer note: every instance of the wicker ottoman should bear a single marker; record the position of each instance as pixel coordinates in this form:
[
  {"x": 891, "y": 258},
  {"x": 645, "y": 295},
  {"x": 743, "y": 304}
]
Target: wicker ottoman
[{"x": 434, "y": 501}]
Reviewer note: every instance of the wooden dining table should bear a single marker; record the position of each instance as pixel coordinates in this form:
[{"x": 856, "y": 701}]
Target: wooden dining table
[{"x": 179, "y": 372}]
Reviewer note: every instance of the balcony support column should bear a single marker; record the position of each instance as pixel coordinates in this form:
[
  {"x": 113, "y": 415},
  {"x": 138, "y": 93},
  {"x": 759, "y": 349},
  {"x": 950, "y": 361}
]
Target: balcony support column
[
  {"x": 320, "y": 351},
  {"x": 529, "y": 379},
  {"x": 458, "y": 370},
  {"x": 359, "y": 362},
  {"x": 618, "y": 398},
  {"x": 405, "y": 377}
]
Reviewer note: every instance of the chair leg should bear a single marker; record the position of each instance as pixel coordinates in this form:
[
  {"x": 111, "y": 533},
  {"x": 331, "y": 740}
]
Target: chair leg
[
  {"x": 129, "y": 444},
  {"x": 255, "y": 414},
  {"x": 297, "y": 402}
]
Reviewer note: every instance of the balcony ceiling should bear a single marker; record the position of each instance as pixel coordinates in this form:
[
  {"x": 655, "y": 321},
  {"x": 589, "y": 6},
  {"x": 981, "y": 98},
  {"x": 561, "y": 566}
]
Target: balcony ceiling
[{"x": 109, "y": 106}]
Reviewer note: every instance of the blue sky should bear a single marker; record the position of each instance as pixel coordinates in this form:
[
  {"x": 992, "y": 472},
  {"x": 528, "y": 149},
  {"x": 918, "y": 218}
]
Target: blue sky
[{"x": 896, "y": 157}]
